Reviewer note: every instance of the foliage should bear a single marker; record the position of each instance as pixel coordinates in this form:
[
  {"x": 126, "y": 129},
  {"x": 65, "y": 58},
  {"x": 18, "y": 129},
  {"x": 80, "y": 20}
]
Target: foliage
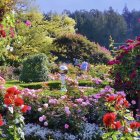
[
  {"x": 99, "y": 71},
  {"x": 59, "y": 24},
  {"x": 37, "y": 37},
  {"x": 69, "y": 46},
  {"x": 35, "y": 69}
]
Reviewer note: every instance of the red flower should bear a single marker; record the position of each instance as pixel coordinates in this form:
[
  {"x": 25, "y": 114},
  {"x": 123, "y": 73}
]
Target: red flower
[
  {"x": 9, "y": 95},
  {"x": 2, "y": 33},
  {"x": 134, "y": 125},
  {"x": 8, "y": 101},
  {"x": 112, "y": 62},
  {"x": 109, "y": 118},
  {"x": 110, "y": 98},
  {"x": 117, "y": 125},
  {"x": 24, "y": 109},
  {"x": 19, "y": 101},
  {"x": 133, "y": 74},
  {"x": 1, "y": 120},
  {"x": 12, "y": 90},
  {"x": 130, "y": 41}
]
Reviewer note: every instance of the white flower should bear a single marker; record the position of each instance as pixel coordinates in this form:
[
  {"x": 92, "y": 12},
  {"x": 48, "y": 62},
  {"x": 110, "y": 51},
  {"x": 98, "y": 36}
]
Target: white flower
[
  {"x": 45, "y": 123},
  {"x": 39, "y": 109},
  {"x": 11, "y": 109},
  {"x": 46, "y": 105}
]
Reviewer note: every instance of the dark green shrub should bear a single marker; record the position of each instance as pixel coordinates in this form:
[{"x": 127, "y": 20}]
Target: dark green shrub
[
  {"x": 54, "y": 85},
  {"x": 32, "y": 85},
  {"x": 35, "y": 69}
]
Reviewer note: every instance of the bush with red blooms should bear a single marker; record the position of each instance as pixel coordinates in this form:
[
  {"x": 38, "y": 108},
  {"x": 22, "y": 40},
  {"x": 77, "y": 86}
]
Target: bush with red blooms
[
  {"x": 125, "y": 71},
  {"x": 12, "y": 109},
  {"x": 126, "y": 67},
  {"x": 119, "y": 122}
]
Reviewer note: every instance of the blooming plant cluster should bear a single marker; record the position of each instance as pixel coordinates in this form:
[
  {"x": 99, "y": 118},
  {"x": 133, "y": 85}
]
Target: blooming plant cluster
[
  {"x": 119, "y": 122},
  {"x": 12, "y": 108},
  {"x": 126, "y": 67}
]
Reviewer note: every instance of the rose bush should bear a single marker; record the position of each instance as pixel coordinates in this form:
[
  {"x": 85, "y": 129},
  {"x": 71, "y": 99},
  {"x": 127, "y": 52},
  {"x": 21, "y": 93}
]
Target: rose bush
[
  {"x": 126, "y": 71},
  {"x": 12, "y": 109}
]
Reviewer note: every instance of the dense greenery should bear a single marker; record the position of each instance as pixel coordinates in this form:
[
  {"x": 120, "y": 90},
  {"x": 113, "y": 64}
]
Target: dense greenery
[
  {"x": 35, "y": 69},
  {"x": 71, "y": 46}
]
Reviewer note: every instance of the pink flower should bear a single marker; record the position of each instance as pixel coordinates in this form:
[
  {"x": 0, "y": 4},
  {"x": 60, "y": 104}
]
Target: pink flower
[
  {"x": 29, "y": 108},
  {"x": 63, "y": 97},
  {"x": 80, "y": 100},
  {"x": 41, "y": 119},
  {"x": 53, "y": 101},
  {"x": 133, "y": 102},
  {"x": 2, "y": 87},
  {"x": 67, "y": 111},
  {"x": 84, "y": 104},
  {"x": 44, "y": 117},
  {"x": 75, "y": 105},
  {"x": 66, "y": 126},
  {"x": 28, "y": 23}
]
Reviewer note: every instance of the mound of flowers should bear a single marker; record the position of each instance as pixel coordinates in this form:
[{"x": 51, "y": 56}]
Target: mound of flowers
[
  {"x": 107, "y": 111},
  {"x": 99, "y": 116}
]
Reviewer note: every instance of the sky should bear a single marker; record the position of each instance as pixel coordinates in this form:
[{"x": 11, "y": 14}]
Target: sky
[{"x": 72, "y": 5}]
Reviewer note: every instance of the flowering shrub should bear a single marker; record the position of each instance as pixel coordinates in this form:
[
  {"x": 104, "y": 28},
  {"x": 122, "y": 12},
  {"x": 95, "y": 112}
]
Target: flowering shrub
[
  {"x": 12, "y": 108},
  {"x": 126, "y": 71},
  {"x": 126, "y": 66}
]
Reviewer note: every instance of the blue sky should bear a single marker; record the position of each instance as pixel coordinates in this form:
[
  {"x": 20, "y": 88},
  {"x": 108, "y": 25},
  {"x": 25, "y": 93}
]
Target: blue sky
[{"x": 72, "y": 5}]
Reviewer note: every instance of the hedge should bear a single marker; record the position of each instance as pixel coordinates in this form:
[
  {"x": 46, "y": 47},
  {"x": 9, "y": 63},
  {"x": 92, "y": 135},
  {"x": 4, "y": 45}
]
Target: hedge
[{"x": 57, "y": 85}]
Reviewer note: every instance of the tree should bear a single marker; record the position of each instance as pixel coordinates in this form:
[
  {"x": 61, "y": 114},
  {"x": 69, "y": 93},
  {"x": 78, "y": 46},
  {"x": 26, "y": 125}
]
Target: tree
[
  {"x": 59, "y": 24},
  {"x": 70, "y": 46},
  {"x": 97, "y": 26}
]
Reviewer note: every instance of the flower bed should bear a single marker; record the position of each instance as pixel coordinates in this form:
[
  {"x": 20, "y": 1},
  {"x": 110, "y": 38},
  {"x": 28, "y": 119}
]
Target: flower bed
[{"x": 99, "y": 116}]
